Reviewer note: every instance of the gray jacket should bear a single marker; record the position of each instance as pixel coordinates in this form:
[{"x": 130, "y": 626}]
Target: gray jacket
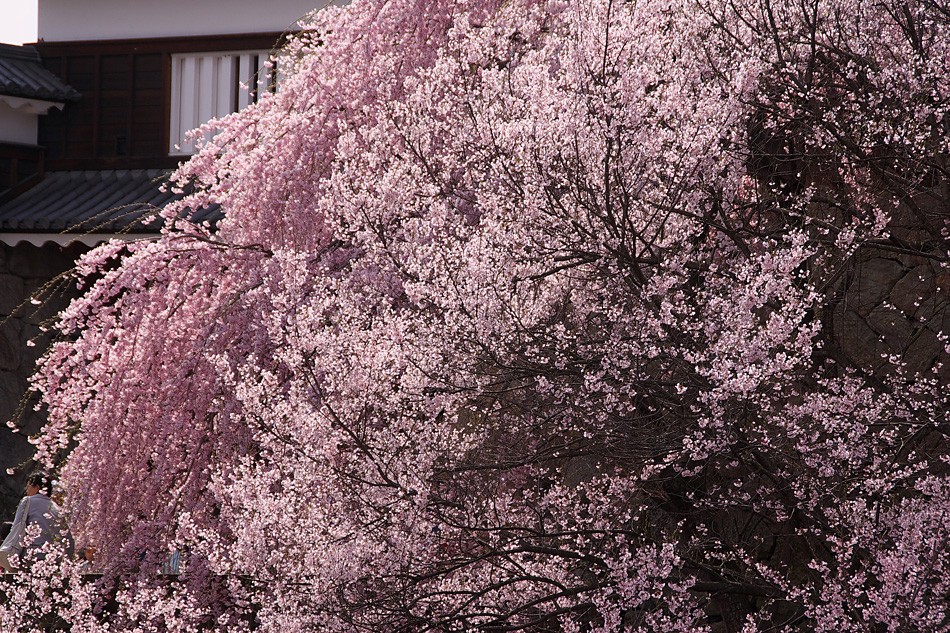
[{"x": 38, "y": 509}]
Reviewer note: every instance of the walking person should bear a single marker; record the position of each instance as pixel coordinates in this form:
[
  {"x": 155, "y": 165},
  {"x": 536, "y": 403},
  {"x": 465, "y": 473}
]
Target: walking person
[{"x": 35, "y": 508}]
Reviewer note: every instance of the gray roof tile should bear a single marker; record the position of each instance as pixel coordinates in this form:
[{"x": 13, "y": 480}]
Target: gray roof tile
[
  {"x": 22, "y": 75},
  {"x": 93, "y": 201}
]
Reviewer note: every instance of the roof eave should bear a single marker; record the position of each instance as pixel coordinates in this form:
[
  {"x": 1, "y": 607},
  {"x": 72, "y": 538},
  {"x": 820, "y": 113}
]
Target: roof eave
[{"x": 30, "y": 106}]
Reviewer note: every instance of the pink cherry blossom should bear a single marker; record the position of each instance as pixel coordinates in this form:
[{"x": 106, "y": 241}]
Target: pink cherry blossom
[{"x": 525, "y": 315}]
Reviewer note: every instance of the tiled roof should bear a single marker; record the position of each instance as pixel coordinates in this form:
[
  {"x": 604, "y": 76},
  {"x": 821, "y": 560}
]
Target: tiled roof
[
  {"x": 93, "y": 201},
  {"x": 22, "y": 75}
]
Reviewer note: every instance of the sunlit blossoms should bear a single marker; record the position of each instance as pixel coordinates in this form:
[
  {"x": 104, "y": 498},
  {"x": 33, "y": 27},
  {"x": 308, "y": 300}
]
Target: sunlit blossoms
[{"x": 531, "y": 315}]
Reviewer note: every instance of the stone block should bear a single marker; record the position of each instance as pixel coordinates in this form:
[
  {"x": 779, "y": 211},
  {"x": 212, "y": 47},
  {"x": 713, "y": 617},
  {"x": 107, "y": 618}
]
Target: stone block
[
  {"x": 53, "y": 299},
  {"x": 11, "y": 293},
  {"x": 39, "y": 262},
  {"x": 913, "y": 289},
  {"x": 934, "y": 311},
  {"x": 872, "y": 284},
  {"x": 5, "y": 252},
  {"x": 922, "y": 351},
  {"x": 11, "y": 357},
  {"x": 888, "y": 324},
  {"x": 857, "y": 340},
  {"x": 579, "y": 470},
  {"x": 12, "y": 388}
]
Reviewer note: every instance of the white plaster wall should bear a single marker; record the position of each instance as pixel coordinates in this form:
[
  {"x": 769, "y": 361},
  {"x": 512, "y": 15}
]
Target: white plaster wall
[
  {"x": 17, "y": 126},
  {"x": 69, "y": 20}
]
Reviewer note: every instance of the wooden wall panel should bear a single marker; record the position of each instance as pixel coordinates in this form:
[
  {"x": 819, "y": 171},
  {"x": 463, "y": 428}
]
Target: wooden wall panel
[
  {"x": 148, "y": 107},
  {"x": 121, "y": 122}
]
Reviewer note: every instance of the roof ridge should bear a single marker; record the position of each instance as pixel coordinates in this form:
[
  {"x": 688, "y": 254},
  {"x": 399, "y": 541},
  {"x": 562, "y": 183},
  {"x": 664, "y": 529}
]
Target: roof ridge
[
  {"x": 23, "y": 52},
  {"x": 23, "y": 75}
]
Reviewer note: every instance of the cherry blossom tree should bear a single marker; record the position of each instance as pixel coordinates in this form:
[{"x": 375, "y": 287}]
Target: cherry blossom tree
[{"x": 527, "y": 316}]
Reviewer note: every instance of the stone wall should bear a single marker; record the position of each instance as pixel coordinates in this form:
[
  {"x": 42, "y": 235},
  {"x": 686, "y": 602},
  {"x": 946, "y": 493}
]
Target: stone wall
[
  {"x": 895, "y": 304},
  {"x": 25, "y": 271}
]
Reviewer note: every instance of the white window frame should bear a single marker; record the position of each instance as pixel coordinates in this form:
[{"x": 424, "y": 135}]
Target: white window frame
[{"x": 209, "y": 85}]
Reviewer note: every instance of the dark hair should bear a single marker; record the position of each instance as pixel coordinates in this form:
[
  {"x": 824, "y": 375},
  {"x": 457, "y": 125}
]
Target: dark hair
[{"x": 40, "y": 480}]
